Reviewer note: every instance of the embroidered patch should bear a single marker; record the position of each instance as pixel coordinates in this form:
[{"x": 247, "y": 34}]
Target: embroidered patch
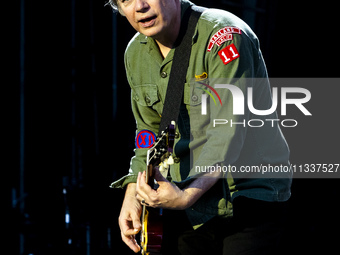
[
  {"x": 201, "y": 77},
  {"x": 229, "y": 54},
  {"x": 145, "y": 139},
  {"x": 223, "y": 35}
]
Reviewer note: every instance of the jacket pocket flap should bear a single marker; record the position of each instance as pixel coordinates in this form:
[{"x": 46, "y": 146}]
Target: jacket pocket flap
[{"x": 146, "y": 94}]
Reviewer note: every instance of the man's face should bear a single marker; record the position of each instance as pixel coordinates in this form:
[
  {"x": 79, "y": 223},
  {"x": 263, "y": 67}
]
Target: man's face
[{"x": 153, "y": 18}]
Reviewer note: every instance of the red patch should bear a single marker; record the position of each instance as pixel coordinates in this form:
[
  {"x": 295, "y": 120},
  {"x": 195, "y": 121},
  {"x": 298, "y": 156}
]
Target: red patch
[
  {"x": 145, "y": 139},
  {"x": 229, "y": 54},
  {"x": 223, "y": 35}
]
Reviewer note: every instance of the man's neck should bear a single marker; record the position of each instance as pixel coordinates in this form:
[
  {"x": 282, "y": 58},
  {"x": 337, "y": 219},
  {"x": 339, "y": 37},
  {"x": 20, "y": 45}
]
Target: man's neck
[
  {"x": 164, "y": 50},
  {"x": 168, "y": 38}
]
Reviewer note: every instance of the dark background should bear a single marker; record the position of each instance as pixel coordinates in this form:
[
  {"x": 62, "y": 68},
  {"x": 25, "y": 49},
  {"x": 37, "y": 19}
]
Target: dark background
[{"x": 69, "y": 125}]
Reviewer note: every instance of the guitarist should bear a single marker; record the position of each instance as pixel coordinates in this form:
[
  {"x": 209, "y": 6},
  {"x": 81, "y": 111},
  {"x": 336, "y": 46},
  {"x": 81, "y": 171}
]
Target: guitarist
[{"x": 226, "y": 213}]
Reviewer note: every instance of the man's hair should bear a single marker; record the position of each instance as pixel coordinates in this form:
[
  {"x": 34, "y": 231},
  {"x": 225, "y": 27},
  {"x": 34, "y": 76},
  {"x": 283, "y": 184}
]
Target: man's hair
[{"x": 113, "y": 4}]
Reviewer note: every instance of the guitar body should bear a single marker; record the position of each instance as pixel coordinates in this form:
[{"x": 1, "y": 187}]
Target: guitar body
[
  {"x": 159, "y": 155},
  {"x": 152, "y": 232}
]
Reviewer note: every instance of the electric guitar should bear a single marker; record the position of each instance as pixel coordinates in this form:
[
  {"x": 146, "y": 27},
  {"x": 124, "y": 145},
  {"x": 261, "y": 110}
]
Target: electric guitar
[{"x": 160, "y": 154}]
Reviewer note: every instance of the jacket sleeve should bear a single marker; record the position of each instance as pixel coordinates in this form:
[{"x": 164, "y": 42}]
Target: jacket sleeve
[{"x": 143, "y": 101}]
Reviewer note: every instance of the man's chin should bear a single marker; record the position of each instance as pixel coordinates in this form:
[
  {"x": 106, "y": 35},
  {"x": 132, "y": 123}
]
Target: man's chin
[{"x": 150, "y": 31}]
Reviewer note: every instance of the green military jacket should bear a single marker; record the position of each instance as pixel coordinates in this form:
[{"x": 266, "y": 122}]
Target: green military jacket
[{"x": 224, "y": 50}]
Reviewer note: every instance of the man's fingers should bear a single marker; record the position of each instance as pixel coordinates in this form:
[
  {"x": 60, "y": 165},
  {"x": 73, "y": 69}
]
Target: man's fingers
[
  {"x": 129, "y": 218},
  {"x": 131, "y": 232},
  {"x": 141, "y": 182},
  {"x": 128, "y": 231},
  {"x": 137, "y": 226},
  {"x": 143, "y": 190},
  {"x": 130, "y": 228},
  {"x": 131, "y": 242},
  {"x": 158, "y": 176}
]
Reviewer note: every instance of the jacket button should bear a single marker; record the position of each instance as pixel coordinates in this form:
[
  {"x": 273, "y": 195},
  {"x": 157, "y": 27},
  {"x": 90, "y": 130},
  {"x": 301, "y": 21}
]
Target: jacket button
[
  {"x": 194, "y": 98},
  {"x": 147, "y": 99},
  {"x": 164, "y": 74}
]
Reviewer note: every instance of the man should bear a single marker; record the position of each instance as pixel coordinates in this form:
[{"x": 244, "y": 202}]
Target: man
[{"x": 229, "y": 213}]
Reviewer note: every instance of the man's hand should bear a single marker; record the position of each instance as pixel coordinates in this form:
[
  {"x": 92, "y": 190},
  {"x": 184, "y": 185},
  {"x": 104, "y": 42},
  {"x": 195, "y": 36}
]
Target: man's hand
[
  {"x": 169, "y": 196},
  {"x": 129, "y": 218}
]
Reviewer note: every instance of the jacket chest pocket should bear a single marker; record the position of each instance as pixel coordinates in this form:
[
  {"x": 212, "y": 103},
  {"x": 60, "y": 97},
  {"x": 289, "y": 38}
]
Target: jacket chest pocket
[
  {"x": 147, "y": 95},
  {"x": 192, "y": 95},
  {"x": 193, "y": 99}
]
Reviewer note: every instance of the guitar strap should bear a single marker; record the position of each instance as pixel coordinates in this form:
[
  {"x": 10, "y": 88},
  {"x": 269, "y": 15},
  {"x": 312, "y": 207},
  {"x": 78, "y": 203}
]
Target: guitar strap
[{"x": 174, "y": 93}]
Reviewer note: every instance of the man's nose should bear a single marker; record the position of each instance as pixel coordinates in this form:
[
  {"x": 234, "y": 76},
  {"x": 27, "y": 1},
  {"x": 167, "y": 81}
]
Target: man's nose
[{"x": 142, "y": 5}]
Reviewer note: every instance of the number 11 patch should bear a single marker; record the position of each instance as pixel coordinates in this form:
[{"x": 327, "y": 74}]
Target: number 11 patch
[{"x": 229, "y": 54}]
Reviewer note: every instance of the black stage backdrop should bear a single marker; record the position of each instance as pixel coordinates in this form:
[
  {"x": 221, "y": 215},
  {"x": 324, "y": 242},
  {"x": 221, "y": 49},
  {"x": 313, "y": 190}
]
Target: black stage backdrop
[{"x": 70, "y": 129}]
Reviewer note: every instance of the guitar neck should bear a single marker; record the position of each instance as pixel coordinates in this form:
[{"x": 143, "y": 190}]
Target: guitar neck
[{"x": 160, "y": 155}]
